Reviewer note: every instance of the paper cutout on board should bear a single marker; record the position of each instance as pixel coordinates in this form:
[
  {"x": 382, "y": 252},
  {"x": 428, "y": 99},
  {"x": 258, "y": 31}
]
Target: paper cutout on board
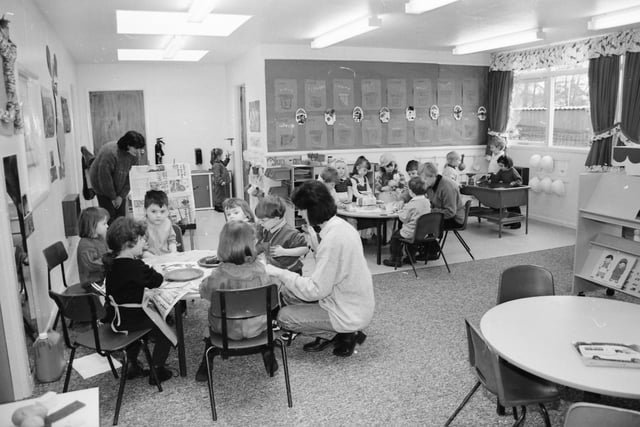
[
  {"x": 330, "y": 117},
  {"x": 424, "y": 129},
  {"x": 396, "y": 93},
  {"x": 385, "y": 115},
  {"x": 286, "y": 91},
  {"x": 397, "y": 133},
  {"x": 469, "y": 127},
  {"x": 343, "y": 94},
  {"x": 482, "y": 113},
  {"x": 371, "y": 94},
  {"x": 434, "y": 112},
  {"x": 371, "y": 131},
  {"x": 445, "y": 92},
  {"x": 410, "y": 113},
  {"x": 422, "y": 93},
  {"x": 457, "y": 112},
  {"x": 315, "y": 95},
  {"x": 286, "y": 133},
  {"x": 358, "y": 114},
  {"x": 445, "y": 127},
  {"x": 343, "y": 132},
  {"x": 315, "y": 132},
  {"x": 301, "y": 116}
]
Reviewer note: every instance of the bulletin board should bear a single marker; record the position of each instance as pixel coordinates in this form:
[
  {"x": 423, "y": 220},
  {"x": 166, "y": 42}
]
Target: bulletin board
[{"x": 300, "y": 93}]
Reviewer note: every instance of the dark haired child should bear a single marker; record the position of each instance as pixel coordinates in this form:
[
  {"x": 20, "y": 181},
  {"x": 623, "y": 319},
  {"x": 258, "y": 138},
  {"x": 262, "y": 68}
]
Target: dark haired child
[
  {"x": 329, "y": 176},
  {"x": 507, "y": 175},
  {"x": 412, "y": 172},
  {"x": 219, "y": 179},
  {"x": 359, "y": 181},
  {"x": 283, "y": 245},
  {"x": 93, "y": 224},
  {"x": 408, "y": 215},
  {"x": 127, "y": 276},
  {"x": 160, "y": 235},
  {"x": 238, "y": 210}
]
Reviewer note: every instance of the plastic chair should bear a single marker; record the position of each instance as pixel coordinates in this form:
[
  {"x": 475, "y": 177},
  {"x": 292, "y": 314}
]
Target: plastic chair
[
  {"x": 467, "y": 208},
  {"x": 100, "y": 338},
  {"x": 179, "y": 237},
  {"x": 55, "y": 255},
  {"x": 522, "y": 281},
  {"x": 239, "y": 304},
  {"x": 512, "y": 386},
  {"x": 584, "y": 414},
  {"x": 429, "y": 229}
]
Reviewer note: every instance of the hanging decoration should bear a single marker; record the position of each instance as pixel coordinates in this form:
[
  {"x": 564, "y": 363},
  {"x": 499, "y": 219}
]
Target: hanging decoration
[
  {"x": 482, "y": 113},
  {"x": 410, "y": 113},
  {"x": 385, "y": 115},
  {"x": 434, "y": 112},
  {"x": 330, "y": 117},
  {"x": 358, "y": 114},
  {"x": 301, "y": 116},
  {"x": 457, "y": 112}
]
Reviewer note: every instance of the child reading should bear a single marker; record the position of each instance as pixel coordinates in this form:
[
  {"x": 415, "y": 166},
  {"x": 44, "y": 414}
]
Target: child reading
[
  {"x": 126, "y": 278},
  {"x": 507, "y": 175},
  {"x": 359, "y": 181},
  {"x": 343, "y": 186},
  {"x": 160, "y": 235},
  {"x": 93, "y": 245},
  {"x": 238, "y": 210},
  {"x": 450, "y": 170},
  {"x": 408, "y": 215},
  {"x": 280, "y": 242},
  {"x": 239, "y": 270}
]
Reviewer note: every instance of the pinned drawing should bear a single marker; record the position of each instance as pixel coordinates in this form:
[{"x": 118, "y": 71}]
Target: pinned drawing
[
  {"x": 358, "y": 114},
  {"x": 301, "y": 116},
  {"x": 385, "y": 115}
]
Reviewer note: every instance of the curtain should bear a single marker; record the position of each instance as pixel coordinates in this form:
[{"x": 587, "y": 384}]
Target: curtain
[
  {"x": 604, "y": 74},
  {"x": 500, "y": 87}
]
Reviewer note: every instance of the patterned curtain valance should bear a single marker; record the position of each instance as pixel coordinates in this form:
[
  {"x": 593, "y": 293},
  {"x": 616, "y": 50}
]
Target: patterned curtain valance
[{"x": 572, "y": 53}]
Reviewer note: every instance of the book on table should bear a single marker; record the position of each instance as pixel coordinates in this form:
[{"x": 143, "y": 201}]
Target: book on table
[{"x": 615, "y": 355}]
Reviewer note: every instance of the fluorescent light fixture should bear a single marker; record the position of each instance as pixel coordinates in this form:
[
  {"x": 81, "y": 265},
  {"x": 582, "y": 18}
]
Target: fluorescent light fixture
[
  {"x": 615, "y": 19},
  {"x": 505, "y": 40},
  {"x": 143, "y": 22},
  {"x": 158, "y": 55},
  {"x": 172, "y": 48},
  {"x": 355, "y": 28},
  {"x": 416, "y": 7},
  {"x": 199, "y": 10}
]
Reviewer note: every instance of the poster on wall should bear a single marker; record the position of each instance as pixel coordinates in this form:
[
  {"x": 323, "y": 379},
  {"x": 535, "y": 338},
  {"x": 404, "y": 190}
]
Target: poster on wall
[
  {"x": 424, "y": 129},
  {"x": 371, "y": 131},
  {"x": 66, "y": 116},
  {"x": 286, "y": 98},
  {"x": 48, "y": 115},
  {"x": 396, "y": 93},
  {"x": 423, "y": 93},
  {"x": 254, "y": 116},
  {"x": 316, "y": 132},
  {"x": 174, "y": 179},
  {"x": 445, "y": 93},
  {"x": 397, "y": 134},
  {"x": 343, "y": 131},
  {"x": 286, "y": 133},
  {"x": 371, "y": 94},
  {"x": 315, "y": 95},
  {"x": 343, "y": 94},
  {"x": 445, "y": 127}
]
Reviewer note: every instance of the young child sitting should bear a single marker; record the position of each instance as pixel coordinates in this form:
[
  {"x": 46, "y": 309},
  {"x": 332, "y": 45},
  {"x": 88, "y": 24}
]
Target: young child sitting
[
  {"x": 160, "y": 235},
  {"x": 408, "y": 215},
  {"x": 359, "y": 181},
  {"x": 343, "y": 186},
  {"x": 496, "y": 148},
  {"x": 239, "y": 270},
  {"x": 388, "y": 179},
  {"x": 93, "y": 245},
  {"x": 282, "y": 244},
  {"x": 412, "y": 172},
  {"x": 507, "y": 175},
  {"x": 329, "y": 176},
  {"x": 238, "y": 210},
  {"x": 450, "y": 170},
  {"x": 127, "y": 276}
]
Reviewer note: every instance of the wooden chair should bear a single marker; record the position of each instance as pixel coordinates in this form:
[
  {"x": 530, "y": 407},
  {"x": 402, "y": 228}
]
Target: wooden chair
[
  {"x": 100, "y": 338},
  {"x": 522, "y": 281},
  {"x": 429, "y": 229},
  {"x": 584, "y": 414},
  {"x": 512, "y": 386},
  {"x": 228, "y": 305},
  {"x": 456, "y": 231}
]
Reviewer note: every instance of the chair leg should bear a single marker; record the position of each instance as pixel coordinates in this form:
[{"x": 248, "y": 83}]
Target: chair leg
[
  {"x": 410, "y": 256},
  {"x": 523, "y": 414},
  {"x": 464, "y": 402},
  {"x": 445, "y": 260},
  {"x": 464, "y": 244},
  {"x": 123, "y": 380},
  {"x": 152, "y": 367},
  {"x": 545, "y": 415},
  {"x": 210, "y": 382},
  {"x": 113, "y": 368},
  {"x": 69, "y": 367},
  {"x": 285, "y": 366}
]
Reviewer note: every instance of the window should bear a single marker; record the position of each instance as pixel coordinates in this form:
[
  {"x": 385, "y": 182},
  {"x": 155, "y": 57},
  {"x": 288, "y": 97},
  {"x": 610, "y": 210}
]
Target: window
[{"x": 551, "y": 108}]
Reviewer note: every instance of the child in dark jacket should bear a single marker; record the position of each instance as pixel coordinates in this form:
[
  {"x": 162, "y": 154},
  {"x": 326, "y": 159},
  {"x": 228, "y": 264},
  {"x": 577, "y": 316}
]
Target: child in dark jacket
[{"x": 93, "y": 245}]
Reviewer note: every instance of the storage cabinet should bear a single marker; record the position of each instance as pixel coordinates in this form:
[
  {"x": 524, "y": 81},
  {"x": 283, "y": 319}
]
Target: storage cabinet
[
  {"x": 608, "y": 208},
  {"x": 202, "y": 185},
  {"x": 300, "y": 174}
]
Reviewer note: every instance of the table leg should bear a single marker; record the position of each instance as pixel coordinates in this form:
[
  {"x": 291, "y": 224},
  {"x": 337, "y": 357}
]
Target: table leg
[
  {"x": 379, "y": 231},
  {"x": 526, "y": 217},
  {"x": 500, "y": 223},
  {"x": 182, "y": 358}
]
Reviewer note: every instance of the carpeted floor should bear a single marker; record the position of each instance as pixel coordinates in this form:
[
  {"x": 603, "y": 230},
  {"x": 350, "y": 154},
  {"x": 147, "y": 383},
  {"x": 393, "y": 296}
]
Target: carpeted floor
[{"x": 412, "y": 369}]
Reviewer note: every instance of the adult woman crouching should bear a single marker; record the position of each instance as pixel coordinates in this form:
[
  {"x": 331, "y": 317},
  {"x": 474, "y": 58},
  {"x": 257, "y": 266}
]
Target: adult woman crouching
[{"x": 336, "y": 302}]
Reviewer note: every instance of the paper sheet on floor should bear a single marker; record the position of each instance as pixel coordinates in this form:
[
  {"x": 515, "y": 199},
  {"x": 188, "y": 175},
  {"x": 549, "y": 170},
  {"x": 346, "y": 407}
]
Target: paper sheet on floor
[{"x": 93, "y": 364}]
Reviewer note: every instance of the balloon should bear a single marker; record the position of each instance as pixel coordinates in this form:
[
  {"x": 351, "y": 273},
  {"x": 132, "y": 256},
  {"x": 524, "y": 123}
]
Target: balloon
[
  {"x": 534, "y": 183},
  {"x": 546, "y": 163},
  {"x": 558, "y": 187},
  {"x": 546, "y": 185},
  {"x": 534, "y": 160}
]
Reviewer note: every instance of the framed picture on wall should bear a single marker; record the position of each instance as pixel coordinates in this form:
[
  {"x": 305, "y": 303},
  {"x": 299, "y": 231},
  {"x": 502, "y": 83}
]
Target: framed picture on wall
[{"x": 254, "y": 116}]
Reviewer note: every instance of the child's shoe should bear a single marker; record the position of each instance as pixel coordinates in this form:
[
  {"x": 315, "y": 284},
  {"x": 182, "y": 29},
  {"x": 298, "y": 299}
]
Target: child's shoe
[{"x": 392, "y": 262}]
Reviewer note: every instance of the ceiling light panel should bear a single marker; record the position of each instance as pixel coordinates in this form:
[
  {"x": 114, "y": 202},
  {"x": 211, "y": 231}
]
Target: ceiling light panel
[
  {"x": 355, "y": 28},
  {"x": 159, "y": 55},
  {"x": 615, "y": 19},
  {"x": 417, "y": 7},
  {"x": 144, "y": 22},
  {"x": 512, "y": 39},
  {"x": 200, "y": 9}
]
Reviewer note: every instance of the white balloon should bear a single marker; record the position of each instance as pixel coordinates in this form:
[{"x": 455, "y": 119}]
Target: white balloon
[
  {"x": 546, "y": 185},
  {"x": 558, "y": 188},
  {"x": 534, "y": 160},
  {"x": 546, "y": 163},
  {"x": 534, "y": 183}
]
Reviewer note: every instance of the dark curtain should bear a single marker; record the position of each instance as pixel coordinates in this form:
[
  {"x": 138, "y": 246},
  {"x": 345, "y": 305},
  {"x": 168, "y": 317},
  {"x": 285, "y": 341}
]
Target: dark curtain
[
  {"x": 500, "y": 87},
  {"x": 630, "y": 123},
  {"x": 604, "y": 74}
]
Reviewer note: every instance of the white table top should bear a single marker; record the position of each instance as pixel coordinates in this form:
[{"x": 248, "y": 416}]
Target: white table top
[
  {"x": 88, "y": 416},
  {"x": 367, "y": 212},
  {"x": 537, "y": 335},
  {"x": 188, "y": 258}
]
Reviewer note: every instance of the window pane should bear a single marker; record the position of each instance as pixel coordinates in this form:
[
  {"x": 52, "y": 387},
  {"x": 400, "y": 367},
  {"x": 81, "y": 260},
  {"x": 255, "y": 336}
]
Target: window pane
[
  {"x": 528, "y": 114},
  {"x": 572, "y": 120}
]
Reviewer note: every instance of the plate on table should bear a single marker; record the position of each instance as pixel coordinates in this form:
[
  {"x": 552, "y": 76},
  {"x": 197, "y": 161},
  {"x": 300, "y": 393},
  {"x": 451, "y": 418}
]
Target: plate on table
[
  {"x": 183, "y": 274},
  {"x": 209, "y": 261}
]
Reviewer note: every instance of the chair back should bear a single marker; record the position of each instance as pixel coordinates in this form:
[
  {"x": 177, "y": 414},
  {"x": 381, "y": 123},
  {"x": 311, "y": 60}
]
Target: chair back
[
  {"x": 179, "y": 237},
  {"x": 55, "y": 255},
  {"x": 79, "y": 308},
  {"x": 522, "y": 281},
  {"x": 429, "y": 227},
  {"x": 584, "y": 414},
  {"x": 481, "y": 358}
]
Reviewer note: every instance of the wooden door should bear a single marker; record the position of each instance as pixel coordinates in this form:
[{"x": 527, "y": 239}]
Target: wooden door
[{"x": 113, "y": 113}]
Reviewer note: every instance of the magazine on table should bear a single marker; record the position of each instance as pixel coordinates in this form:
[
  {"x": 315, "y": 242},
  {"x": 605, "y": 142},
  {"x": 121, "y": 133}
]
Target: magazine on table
[
  {"x": 608, "y": 354},
  {"x": 157, "y": 303}
]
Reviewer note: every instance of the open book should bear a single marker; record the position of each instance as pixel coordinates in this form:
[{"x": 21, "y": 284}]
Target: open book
[
  {"x": 609, "y": 354},
  {"x": 157, "y": 303}
]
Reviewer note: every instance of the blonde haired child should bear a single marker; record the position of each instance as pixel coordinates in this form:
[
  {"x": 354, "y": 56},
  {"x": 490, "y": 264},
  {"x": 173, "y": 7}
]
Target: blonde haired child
[
  {"x": 93, "y": 244},
  {"x": 343, "y": 186},
  {"x": 450, "y": 170}
]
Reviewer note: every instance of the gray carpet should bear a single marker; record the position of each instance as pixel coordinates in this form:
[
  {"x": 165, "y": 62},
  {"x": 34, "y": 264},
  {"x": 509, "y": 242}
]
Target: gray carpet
[{"x": 412, "y": 369}]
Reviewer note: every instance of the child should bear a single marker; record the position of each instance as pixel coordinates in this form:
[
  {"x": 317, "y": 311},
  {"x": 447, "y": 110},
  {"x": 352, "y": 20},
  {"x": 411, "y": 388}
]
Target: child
[
  {"x": 239, "y": 270},
  {"x": 408, "y": 215},
  {"x": 412, "y": 172},
  {"x": 388, "y": 179},
  {"x": 160, "y": 235},
  {"x": 127, "y": 276},
  {"x": 450, "y": 170},
  {"x": 507, "y": 175},
  {"x": 359, "y": 181},
  {"x": 93, "y": 245},
  {"x": 343, "y": 186},
  {"x": 329, "y": 176},
  {"x": 282, "y": 244},
  {"x": 220, "y": 178},
  {"x": 238, "y": 210},
  {"x": 496, "y": 147}
]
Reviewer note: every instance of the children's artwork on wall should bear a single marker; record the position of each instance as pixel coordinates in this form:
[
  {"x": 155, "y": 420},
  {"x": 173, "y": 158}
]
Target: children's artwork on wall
[
  {"x": 434, "y": 112},
  {"x": 315, "y": 95},
  {"x": 357, "y": 114},
  {"x": 371, "y": 94},
  {"x": 385, "y": 115},
  {"x": 371, "y": 131},
  {"x": 286, "y": 98},
  {"x": 315, "y": 130},
  {"x": 482, "y": 113},
  {"x": 457, "y": 112},
  {"x": 286, "y": 133},
  {"x": 330, "y": 117},
  {"x": 343, "y": 94},
  {"x": 48, "y": 116},
  {"x": 397, "y": 134},
  {"x": 254, "y": 116},
  {"x": 410, "y": 113},
  {"x": 52, "y": 65},
  {"x": 343, "y": 131},
  {"x": 66, "y": 117},
  {"x": 396, "y": 93},
  {"x": 301, "y": 116},
  {"x": 422, "y": 93}
]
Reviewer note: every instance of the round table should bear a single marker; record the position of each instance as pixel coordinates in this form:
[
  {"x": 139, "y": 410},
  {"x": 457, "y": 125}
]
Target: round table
[
  {"x": 371, "y": 216},
  {"x": 537, "y": 335}
]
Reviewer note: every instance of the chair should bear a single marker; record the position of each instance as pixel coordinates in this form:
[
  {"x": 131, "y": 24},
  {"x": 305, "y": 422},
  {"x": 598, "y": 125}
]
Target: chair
[
  {"x": 583, "y": 414},
  {"x": 55, "y": 255},
  {"x": 100, "y": 338},
  {"x": 467, "y": 208},
  {"x": 179, "y": 237},
  {"x": 512, "y": 386},
  {"x": 429, "y": 229},
  {"x": 522, "y": 281},
  {"x": 243, "y": 304}
]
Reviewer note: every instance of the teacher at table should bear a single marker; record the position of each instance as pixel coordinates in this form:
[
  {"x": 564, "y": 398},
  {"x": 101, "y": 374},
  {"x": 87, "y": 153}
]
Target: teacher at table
[
  {"x": 336, "y": 302},
  {"x": 444, "y": 196},
  {"x": 109, "y": 172}
]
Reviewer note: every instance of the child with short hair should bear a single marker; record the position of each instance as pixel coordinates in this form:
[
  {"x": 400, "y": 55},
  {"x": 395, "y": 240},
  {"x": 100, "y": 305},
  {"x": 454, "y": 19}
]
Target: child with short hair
[
  {"x": 239, "y": 269},
  {"x": 412, "y": 172},
  {"x": 93, "y": 224},
  {"x": 160, "y": 235},
  {"x": 238, "y": 210},
  {"x": 359, "y": 181},
  {"x": 496, "y": 148},
  {"x": 343, "y": 186},
  {"x": 408, "y": 215},
  {"x": 127, "y": 276},
  {"x": 329, "y": 176},
  {"x": 450, "y": 170},
  {"x": 282, "y": 244},
  {"x": 507, "y": 175}
]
